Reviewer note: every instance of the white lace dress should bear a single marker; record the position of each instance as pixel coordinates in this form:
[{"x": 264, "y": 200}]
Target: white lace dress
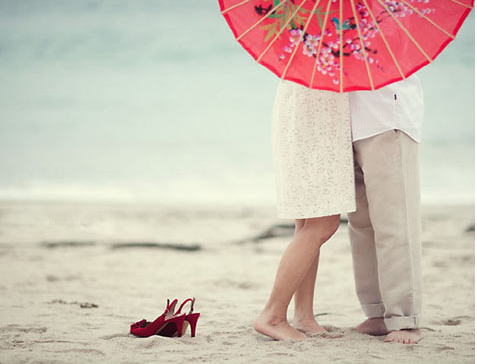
[{"x": 312, "y": 152}]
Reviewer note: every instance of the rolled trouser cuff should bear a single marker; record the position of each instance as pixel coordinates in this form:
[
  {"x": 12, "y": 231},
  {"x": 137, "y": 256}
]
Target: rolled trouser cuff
[
  {"x": 401, "y": 323},
  {"x": 373, "y": 310}
]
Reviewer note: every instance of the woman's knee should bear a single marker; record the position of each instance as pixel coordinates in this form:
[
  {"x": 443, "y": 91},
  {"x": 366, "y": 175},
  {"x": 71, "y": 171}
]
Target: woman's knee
[{"x": 322, "y": 228}]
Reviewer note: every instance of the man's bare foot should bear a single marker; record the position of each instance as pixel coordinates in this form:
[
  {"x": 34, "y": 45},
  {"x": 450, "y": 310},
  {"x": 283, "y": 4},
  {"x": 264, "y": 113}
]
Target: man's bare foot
[
  {"x": 373, "y": 326},
  {"x": 277, "y": 329},
  {"x": 406, "y": 336}
]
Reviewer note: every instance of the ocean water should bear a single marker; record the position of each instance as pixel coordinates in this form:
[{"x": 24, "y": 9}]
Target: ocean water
[{"x": 154, "y": 101}]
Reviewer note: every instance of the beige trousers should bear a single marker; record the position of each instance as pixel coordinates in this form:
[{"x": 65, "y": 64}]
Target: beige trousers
[{"x": 385, "y": 229}]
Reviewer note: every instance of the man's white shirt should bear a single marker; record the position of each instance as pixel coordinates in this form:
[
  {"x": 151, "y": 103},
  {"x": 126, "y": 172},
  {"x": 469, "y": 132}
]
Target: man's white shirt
[{"x": 399, "y": 105}]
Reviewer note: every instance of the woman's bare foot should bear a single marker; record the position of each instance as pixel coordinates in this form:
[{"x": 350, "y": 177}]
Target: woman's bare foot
[
  {"x": 406, "y": 336},
  {"x": 373, "y": 326},
  {"x": 277, "y": 329},
  {"x": 310, "y": 326}
]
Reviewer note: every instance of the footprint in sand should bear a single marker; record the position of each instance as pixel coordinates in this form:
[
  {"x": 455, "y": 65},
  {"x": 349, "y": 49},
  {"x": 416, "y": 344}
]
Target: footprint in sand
[
  {"x": 113, "y": 336},
  {"x": 38, "y": 330},
  {"x": 444, "y": 348},
  {"x": 454, "y": 321},
  {"x": 81, "y": 304},
  {"x": 83, "y": 351}
]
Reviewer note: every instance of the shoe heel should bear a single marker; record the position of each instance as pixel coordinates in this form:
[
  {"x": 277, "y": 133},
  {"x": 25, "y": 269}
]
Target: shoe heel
[{"x": 193, "y": 318}]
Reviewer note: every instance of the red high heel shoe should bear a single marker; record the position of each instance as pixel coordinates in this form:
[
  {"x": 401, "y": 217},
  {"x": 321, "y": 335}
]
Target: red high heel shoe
[
  {"x": 167, "y": 322},
  {"x": 190, "y": 318}
]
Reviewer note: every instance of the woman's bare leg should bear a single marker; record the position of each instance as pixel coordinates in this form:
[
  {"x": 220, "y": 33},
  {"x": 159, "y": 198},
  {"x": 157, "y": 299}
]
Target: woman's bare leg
[
  {"x": 295, "y": 263},
  {"x": 304, "y": 319}
]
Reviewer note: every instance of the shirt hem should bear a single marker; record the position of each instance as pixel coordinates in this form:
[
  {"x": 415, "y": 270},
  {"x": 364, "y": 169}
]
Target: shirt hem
[{"x": 408, "y": 133}]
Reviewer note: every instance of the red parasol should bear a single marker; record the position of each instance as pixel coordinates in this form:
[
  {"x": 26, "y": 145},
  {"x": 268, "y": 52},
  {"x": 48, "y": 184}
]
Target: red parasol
[{"x": 345, "y": 45}]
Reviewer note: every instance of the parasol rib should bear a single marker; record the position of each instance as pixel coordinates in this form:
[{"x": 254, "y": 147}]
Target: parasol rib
[
  {"x": 327, "y": 12},
  {"x": 381, "y": 33},
  {"x": 281, "y": 30},
  {"x": 362, "y": 46},
  {"x": 405, "y": 31},
  {"x": 458, "y": 2},
  {"x": 304, "y": 32},
  {"x": 261, "y": 20},
  {"x": 428, "y": 19},
  {"x": 341, "y": 46},
  {"x": 235, "y": 6}
]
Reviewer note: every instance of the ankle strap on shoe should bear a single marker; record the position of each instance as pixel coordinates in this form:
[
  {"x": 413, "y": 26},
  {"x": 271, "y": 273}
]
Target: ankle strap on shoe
[
  {"x": 192, "y": 300},
  {"x": 169, "y": 311}
]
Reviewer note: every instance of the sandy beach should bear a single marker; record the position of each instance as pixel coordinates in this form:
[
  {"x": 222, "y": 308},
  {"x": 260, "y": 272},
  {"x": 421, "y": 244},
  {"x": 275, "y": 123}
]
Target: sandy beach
[{"x": 74, "y": 277}]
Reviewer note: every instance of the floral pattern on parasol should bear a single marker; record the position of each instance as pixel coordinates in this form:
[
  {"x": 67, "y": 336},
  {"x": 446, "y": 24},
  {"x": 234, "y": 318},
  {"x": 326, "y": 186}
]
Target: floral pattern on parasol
[{"x": 345, "y": 45}]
